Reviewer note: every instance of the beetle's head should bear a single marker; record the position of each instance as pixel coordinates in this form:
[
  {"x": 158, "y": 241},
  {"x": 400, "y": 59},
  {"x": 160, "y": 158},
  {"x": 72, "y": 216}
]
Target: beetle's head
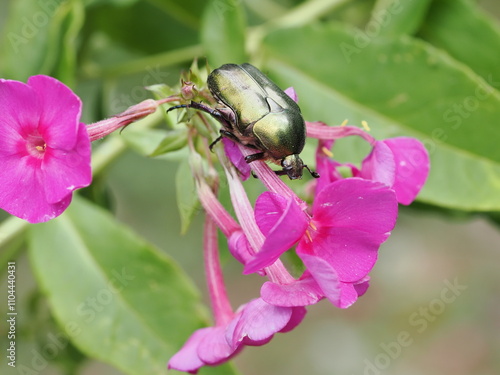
[{"x": 293, "y": 166}]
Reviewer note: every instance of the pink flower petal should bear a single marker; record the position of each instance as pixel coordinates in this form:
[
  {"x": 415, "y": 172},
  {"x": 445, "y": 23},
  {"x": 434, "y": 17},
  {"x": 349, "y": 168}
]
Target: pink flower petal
[
  {"x": 66, "y": 171},
  {"x": 20, "y": 109},
  {"x": 356, "y": 203},
  {"x": 324, "y": 274},
  {"x": 412, "y": 167},
  {"x": 258, "y": 322},
  {"x": 348, "y": 295},
  {"x": 379, "y": 165},
  {"x": 303, "y": 292},
  {"x": 362, "y": 286},
  {"x": 187, "y": 359},
  {"x": 292, "y": 94},
  {"x": 239, "y": 247},
  {"x": 214, "y": 349},
  {"x": 298, "y": 314},
  {"x": 60, "y": 112},
  {"x": 236, "y": 157},
  {"x": 350, "y": 252},
  {"x": 325, "y": 166},
  {"x": 22, "y": 192},
  {"x": 269, "y": 208},
  {"x": 287, "y": 230}
]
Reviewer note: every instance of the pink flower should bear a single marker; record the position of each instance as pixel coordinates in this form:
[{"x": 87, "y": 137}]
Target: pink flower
[
  {"x": 401, "y": 163},
  {"x": 351, "y": 218},
  {"x": 44, "y": 149},
  {"x": 254, "y": 324}
]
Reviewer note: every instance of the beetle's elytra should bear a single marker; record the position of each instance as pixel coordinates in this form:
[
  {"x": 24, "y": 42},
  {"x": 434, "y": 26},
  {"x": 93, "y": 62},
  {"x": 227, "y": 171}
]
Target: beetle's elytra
[{"x": 257, "y": 113}]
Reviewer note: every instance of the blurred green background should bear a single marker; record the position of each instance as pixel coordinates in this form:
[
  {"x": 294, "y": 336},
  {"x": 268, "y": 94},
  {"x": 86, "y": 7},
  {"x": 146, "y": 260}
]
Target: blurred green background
[{"x": 405, "y": 73}]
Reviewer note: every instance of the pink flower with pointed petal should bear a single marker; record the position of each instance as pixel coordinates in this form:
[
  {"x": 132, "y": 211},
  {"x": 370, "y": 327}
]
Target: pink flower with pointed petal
[
  {"x": 254, "y": 324},
  {"x": 401, "y": 163},
  {"x": 44, "y": 149},
  {"x": 351, "y": 218}
]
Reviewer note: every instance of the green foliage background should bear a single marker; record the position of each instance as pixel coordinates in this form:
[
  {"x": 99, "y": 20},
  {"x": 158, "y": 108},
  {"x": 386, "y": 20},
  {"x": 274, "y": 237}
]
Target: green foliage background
[{"x": 428, "y": 69}]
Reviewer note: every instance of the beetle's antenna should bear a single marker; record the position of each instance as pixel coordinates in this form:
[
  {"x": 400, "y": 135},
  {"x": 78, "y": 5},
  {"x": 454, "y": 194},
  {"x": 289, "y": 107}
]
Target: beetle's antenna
[
  {"x": 314, "y": 174},
  {"x": 177, "y": 107}
]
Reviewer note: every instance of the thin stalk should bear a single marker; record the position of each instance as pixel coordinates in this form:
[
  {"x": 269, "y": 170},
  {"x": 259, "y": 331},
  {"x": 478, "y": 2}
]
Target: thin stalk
[
  {"x": 169, "y": 58},
  {"x": 219, "y": 300}
]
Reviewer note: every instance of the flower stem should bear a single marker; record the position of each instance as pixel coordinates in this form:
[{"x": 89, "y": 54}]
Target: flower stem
[
  {"x": 215, "y": 280},
  {"x": 277, "y": 272},
  {"x": 322, "y": 131},
  {"x": 215, "y": 210}
]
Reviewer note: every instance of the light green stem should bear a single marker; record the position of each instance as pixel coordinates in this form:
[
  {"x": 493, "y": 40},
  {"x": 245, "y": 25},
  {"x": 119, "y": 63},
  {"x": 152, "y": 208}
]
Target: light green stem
[
  {"x": 140, "y": 65},
  {"x": 300, "y": 15}
]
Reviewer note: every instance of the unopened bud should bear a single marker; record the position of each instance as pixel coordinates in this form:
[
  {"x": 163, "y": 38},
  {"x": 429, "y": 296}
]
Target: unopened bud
[
  {"x": 102, "y": 128},
  {"x": 188, "y": 90}
]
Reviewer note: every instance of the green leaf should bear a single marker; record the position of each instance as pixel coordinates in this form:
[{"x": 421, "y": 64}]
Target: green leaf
[
  {"x": 401, "y": 86},
  {"x": 187, "y": 198},
  {"x": 117, "y": 297},
  {"x": 394, "y": 17},
  {"x": 154, "y": 142},
  {"x": 72, "y": 17},
  {"x": 223, "y": 32},
  {"x": 467, "y": 34},
  {"x": 157, "y": 26},
  {"x": 37, "y": 34},
  {"x": 173, "y": 141}
]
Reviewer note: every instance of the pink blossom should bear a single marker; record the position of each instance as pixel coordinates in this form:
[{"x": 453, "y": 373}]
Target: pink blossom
[
  {"x": 351, "y": 218},
  {"x": 254, "y": 324},
  {"x": 401, "y": 163},
  {"x": 44, "y": 149}
]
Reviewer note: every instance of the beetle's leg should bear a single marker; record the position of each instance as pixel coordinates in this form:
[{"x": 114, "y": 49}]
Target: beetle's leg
[
  {"x": 201, "y": 107},
  {"x": 283, "y": 172},
  {"x": 224, "y": 133},
  {"x": 214, "y": 143},
  {"x": 280, "y": 173},
  {"x": 253, "y": 157}
]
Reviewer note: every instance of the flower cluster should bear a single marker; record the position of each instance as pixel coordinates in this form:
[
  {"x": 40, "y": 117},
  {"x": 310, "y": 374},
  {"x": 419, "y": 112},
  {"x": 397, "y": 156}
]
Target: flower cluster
[
  {"x": 45, "y": 156},
  {"x": 337, "y": 237}
]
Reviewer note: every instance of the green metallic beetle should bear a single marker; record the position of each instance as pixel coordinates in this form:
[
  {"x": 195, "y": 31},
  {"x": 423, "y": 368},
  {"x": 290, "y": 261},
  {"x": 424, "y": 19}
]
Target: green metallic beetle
[{"x": 257, "y": 113}]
